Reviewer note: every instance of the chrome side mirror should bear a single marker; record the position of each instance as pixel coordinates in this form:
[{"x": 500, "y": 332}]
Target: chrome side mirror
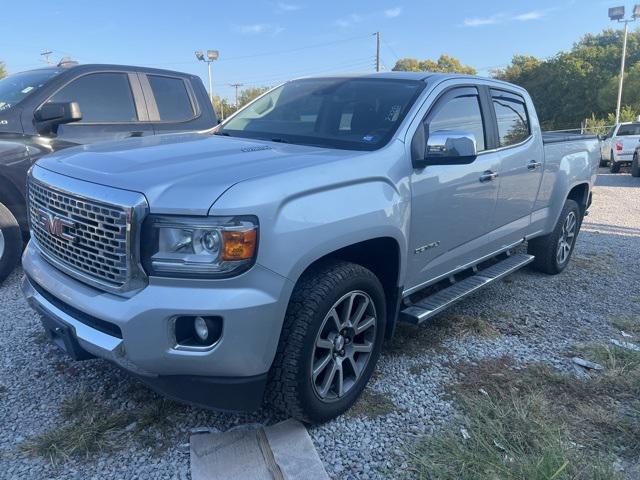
[{"x": 450, "y": 145}]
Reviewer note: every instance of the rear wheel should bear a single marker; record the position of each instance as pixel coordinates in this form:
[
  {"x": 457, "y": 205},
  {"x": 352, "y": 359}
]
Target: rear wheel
[
  {"x": 330, "y": 342},
  {"x": 614, "y": 167},
  {"x": 10, "y": 242},
  {"x": 635, "y": 166},
  {"x": 553, "y": 251}
]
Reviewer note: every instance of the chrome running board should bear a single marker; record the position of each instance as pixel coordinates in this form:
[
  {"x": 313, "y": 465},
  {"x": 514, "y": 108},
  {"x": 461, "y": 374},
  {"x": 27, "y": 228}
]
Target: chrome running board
[{"x": 428, "y": 307}]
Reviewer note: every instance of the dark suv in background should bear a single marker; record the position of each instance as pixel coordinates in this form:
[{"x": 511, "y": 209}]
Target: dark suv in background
[{"x": 52, "y": 108}]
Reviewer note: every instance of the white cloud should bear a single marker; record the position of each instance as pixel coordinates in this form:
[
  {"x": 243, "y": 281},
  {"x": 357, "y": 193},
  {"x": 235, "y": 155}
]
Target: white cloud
[
  {"x": 287, "y": 7},
  {"x": 504, "y": 17},
  {"x": 393, "y": 12},
  {"x": 348, "y": 21},
  {"x": 532, "y": 15},
  {"x": 258, "y": 29},
  {"x": 478, "y": 21}
]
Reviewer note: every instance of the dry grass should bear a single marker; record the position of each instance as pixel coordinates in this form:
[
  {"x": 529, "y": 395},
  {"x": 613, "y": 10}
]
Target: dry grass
[
  {"x": 372, "y": 404},
  {"x": 536, "y": 423},
  {"x": 89, "y": 425},
  {"x": 410, "y": 340},
  {"x": 628, "y": 325}
]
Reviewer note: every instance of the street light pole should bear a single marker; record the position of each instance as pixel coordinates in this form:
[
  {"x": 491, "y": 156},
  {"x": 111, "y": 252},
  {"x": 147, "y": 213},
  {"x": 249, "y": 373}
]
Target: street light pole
[
  {"x": 210, "y": 57},
  {"x": 617, "y": 14}
]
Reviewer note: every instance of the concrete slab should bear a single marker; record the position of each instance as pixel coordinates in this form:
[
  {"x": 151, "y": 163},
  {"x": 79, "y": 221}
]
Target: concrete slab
[{"x": 282, "y": 452}]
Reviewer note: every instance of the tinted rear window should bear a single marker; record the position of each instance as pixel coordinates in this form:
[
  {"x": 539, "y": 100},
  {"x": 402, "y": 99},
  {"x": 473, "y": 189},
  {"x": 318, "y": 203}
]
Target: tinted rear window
[
  {"x": 172, "y": 98},
  {"x": 513, "y": 121}
]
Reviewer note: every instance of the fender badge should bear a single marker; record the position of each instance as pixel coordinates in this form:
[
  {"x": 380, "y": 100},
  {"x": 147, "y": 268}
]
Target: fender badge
[{"x": 428, "y": 246}]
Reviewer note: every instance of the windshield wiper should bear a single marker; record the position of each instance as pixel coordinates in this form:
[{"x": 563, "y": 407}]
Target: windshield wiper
[
  {"x": 221, "y": 133},
  {"x": 280, "y": 140}
]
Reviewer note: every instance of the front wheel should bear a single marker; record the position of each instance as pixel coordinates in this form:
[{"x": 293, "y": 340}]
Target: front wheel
[
  {"x": 10, "y": 242},
  {"x": 330, "y": 342},
  {"x": 552, "y": 252},
  {"x": 635, "y": 166}
]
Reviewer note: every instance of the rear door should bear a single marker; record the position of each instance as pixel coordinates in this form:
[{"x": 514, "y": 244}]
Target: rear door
[
  {"x": 112, "y": 107},
  {"x": 521, "y": 165},
  {"x": 453, "y": 204},
  {"x": 173, "y": 104}
]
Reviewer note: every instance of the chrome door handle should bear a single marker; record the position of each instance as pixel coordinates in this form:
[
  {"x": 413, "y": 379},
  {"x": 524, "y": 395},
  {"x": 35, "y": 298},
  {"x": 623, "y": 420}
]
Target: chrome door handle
[
  {"x": 532, "y": 165},
  {"x": 488, "y": 176}
]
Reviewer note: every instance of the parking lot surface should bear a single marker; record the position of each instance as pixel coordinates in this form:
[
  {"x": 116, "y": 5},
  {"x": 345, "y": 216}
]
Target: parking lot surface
[{"x": 45, "y": 398}]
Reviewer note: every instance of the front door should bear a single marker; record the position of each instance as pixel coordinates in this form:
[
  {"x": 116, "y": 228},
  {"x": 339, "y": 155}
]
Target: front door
[
  {"x": 110, "y": 111},
  {"x": 453, "y": 204},
  {"x": 521, "y": 166}
]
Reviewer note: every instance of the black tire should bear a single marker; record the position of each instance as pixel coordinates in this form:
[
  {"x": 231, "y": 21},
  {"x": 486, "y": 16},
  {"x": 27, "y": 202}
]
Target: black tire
[
  {"x": 292, "y": 388},
  {"x": 635, "y": 166},
  {"x": 10, "y": 242},
  {"x": 603, "y": 162},
  {"x": 546, "y": 248},
  {"x": 614, "y": 167}
]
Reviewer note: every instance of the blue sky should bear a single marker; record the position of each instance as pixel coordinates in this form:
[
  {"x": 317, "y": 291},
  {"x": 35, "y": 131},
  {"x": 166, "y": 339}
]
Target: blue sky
[{"x": 265, "y": 42}]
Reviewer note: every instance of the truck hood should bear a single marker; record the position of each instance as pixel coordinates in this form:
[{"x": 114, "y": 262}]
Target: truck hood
[{"x": 183, "y": 173}]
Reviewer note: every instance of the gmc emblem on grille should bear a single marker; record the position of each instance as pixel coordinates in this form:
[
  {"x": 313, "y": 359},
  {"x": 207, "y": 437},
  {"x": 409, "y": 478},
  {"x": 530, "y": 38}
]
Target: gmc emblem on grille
[{"x": 56, "y": 225}]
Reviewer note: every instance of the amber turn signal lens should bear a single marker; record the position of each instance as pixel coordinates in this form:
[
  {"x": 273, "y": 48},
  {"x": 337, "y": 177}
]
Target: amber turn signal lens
[{"x": 238, "y": 245}]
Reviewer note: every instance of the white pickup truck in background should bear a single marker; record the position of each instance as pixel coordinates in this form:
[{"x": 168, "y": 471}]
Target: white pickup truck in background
[{"x": 618, "y": 145}]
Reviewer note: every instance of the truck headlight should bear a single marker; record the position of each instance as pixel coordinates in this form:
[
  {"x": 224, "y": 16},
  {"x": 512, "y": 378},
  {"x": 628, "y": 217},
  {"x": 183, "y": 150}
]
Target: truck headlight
[{"x": 208, "y": 247}]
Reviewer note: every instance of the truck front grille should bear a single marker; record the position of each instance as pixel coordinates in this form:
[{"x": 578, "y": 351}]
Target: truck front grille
[{"x": 87, "y": 236}]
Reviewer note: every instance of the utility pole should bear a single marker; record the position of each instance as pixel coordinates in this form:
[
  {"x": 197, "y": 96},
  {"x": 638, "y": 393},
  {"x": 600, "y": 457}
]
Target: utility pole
[
  {"x": 617, "y": 14},
  {"x": 46, "y": 54},
  {"x": 377, "y": 34},
  {"x": 236, "y": 86}
]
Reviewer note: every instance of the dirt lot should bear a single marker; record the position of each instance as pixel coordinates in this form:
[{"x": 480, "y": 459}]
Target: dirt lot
[{"x": 60, "y": 419}]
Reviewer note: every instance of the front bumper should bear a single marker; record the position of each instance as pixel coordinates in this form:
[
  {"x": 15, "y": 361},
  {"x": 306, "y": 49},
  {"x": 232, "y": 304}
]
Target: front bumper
[{"x": 134, "y": 332}]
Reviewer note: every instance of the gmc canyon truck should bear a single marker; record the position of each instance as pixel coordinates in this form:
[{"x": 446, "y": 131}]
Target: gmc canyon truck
[
  {"x": 268, "y": 262},
  {"x": 48, "y": 109}
]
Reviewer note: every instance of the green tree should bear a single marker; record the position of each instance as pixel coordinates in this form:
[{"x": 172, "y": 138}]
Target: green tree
[
  {"x": 580, "y": 84},
  {"x": 248, "y": 94},
  {"x": 445, "y": 64},
  {"x": 3, "y": 70}
]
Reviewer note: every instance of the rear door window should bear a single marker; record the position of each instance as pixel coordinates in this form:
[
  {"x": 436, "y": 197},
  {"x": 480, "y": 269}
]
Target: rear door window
[
  {"x": 172, "y": 98},
  {"x": 102, "y": 97},
  {"x": 513, "y": 120}
]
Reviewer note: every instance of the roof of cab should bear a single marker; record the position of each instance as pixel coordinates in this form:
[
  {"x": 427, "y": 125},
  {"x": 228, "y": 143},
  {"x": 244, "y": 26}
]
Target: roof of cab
[{"x": 99, "y": 66}]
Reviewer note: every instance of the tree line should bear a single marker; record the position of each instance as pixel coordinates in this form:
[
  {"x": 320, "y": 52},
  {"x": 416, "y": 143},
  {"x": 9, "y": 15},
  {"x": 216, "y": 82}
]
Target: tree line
[{"x": 570, "y": 88}]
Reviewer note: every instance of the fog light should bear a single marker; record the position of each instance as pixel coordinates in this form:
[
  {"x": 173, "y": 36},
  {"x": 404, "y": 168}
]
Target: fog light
[
  {"x": 196, "y": 332},
  {"x": 202, "y": 330}
]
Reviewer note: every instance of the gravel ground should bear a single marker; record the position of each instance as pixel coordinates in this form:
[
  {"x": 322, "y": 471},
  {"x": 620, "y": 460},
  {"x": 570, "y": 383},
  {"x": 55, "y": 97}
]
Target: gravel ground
[{"x": 529, "y": 316}]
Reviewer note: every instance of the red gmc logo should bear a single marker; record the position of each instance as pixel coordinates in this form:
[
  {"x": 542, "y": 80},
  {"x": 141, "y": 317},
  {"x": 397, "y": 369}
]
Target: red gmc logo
[{"x": 56, "y": 225}]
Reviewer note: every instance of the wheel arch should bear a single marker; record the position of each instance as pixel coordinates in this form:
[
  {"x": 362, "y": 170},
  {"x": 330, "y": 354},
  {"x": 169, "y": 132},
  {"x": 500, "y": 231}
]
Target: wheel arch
[
  {"x": 11, "y": 198},
  {"x": 382, "y": 256}
]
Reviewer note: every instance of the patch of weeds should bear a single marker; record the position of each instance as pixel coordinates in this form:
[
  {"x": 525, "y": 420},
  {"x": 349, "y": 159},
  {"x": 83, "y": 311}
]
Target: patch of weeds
[
  {"x": 419, "y": 368},
  {"x": 628, "y": 325},
  {"x": 537, "y": 423},
  {"x": 411, "y": 340},
  {"x": 153, "y": 425},
  {"x": 372, "y": 404},
  {"x": 635, "y": 299},
  {"x": 90, "y": 427}
]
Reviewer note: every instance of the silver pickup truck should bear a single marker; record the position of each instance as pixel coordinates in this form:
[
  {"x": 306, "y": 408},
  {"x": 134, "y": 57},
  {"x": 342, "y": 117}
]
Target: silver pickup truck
[{"x": 271, "y": 260}]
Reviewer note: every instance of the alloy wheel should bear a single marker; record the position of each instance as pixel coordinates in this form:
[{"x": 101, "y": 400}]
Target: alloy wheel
[
  {"x": 566, "y": 238},
  {"x": 343, "y": 346}
]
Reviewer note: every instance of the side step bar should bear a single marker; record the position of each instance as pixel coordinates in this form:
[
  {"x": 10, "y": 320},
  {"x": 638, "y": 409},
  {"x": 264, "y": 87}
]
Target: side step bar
[{"x": 434, "y": 304}]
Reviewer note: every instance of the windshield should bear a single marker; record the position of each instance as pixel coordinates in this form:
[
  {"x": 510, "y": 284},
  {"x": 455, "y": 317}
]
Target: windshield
[
  {"x": 629, "y": 129},
  {"x": 349, "y": 113},
  {"x": 17, "y": 86}
]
